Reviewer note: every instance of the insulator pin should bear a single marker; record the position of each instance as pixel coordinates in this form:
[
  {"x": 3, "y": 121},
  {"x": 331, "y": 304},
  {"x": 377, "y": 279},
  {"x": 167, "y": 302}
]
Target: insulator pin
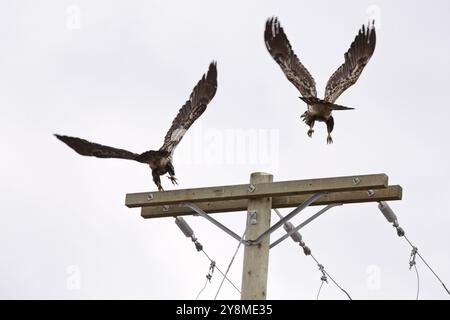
[
  {"x": 387, "y": 212},
  {"x": 296, "y": 236},
  {"x": 184, "y": 227}
]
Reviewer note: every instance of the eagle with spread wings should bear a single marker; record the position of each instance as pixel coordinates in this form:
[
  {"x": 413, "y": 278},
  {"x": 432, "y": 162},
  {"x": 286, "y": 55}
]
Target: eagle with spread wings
[
  {"x": 160, "y": 161},
  {"x": 356, "y": 58}
]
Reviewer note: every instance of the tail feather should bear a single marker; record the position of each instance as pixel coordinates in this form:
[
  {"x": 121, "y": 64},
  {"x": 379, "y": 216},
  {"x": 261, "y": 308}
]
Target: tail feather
[
  {"x": 339, "y": 107},
  {"x": 86, "y": 148}
]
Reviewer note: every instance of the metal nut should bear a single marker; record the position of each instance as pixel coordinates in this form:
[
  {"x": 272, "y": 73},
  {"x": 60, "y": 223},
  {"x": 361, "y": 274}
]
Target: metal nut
[
  {"x": 150, "y": 196},
  {"x": 251, "y": 188},
  {"x": 165, "y": 208},
  {"x": 370, "y": 193},
  {"x": 356, "y": 180}
]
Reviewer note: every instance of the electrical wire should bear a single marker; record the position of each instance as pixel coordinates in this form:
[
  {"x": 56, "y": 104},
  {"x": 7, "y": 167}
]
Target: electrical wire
[
  {"x": 320, "y": 288},
  {"x": 426, "y": 263},
  {"x": 418, "y": 282},
  {"x": 220, "y": 271},
  {"x": 231, "y": 262},
  {"x": 188, "y": 232},
  {"x": 198, "y": 295},
  {"x": 331, "y": 278},
  {"x": 412, "y": 263},
  {"x": 392, "y": 218},
  {"x": 209, "y": 275},
  {"x": 325, "y": 274}
]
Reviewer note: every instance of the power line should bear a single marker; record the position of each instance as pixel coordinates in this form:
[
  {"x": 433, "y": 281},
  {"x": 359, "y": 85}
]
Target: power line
[
  {"x": 320, "y": 288},
  {"x": 297, "y": 237},
  {"x": 231, "y": 262},
  {"x": 412, "y": 263},
  {"x": 392, "y": 218},
  {"x": 209, "y": 275},
  {"x": 220, "y": 271},
  {"x": 323, "y": 279},
  {"x": 418, "y": 282},
  {"x": 213, "y": 266},
  {"x": 206, "y": 282},
  {"x": 188, "y": 232},
  {"x": 326, "y": 274},
  {"x": 426, "y": 263}
]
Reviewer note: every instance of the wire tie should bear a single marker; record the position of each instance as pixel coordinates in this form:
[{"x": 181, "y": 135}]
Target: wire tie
[{"x": 412, "y": 259}]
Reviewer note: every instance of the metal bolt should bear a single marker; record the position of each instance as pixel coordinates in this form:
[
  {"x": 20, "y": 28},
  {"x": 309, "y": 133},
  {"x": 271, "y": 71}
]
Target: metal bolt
[
  {"x": 356, "y": 180},
  {"x": 150, "y": 196},
  {"x": 251, "y": 188},
  {"x": 253, "y": 219},
  {"x": 370, "y": 193}
]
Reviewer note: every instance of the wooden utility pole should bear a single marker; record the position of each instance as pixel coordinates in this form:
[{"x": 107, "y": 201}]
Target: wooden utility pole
[
  {"x": 256, "y": 257},
  {"x": 258, "y": 198}
]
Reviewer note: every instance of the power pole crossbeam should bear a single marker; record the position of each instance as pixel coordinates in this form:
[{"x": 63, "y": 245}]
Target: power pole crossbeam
[
  {"x": 246, "y": 191},
  {"x": 390, "y": 193}
]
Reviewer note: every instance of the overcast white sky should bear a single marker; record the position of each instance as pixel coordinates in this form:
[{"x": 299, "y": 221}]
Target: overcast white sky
[{"x": 118, "y": 75}]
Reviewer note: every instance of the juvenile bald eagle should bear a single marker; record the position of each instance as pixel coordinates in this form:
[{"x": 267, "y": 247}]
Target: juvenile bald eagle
[
  {"x": 346, "y": 75},
  {"x": 160, "y": 161}
]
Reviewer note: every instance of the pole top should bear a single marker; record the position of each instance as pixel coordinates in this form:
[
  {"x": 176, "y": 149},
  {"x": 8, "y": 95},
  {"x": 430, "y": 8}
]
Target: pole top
[{"x": 255, "y": 174}]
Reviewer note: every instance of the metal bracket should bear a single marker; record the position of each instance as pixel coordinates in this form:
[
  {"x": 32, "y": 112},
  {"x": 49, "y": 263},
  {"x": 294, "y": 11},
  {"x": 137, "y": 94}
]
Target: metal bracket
[
  {"x": 253, "y": 217},
  {"x": 203, "y": 214},
  {"x": 293, "y": 213},
  {"x": 266, "y": 233},
  {"x": 307, "y": 221}
]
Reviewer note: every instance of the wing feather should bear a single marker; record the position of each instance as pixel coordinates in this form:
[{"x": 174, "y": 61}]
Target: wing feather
[
  {"x": 356, "y": 58},
  {"x": 200, "y": 97},
  {"x": 87, "y": 148},
  {"x": 280, "y": 49}
]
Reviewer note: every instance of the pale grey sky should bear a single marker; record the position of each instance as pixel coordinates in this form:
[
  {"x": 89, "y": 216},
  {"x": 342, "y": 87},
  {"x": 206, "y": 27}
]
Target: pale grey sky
[{"x": 121, "y": 77}]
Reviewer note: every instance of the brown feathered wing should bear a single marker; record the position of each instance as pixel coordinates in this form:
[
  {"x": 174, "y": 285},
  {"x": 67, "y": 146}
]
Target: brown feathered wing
[
  {"x": 201, "y": 95},
  {"x": 279, "y": 47},
  {"x": 87, "y": 148},
  {"x": 356, "y": 58}
]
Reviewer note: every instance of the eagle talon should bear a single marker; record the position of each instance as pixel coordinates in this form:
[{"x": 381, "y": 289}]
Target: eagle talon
[
  {"x": 329, "y": 140},
  {"x": 173, "y": 180},
  {"x": 310, "y": 132}
]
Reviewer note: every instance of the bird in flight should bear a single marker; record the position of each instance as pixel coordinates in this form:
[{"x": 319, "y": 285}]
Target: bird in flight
[
  {"x": 345, "y": 76},
  {"x": 160, "y": 161}
]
